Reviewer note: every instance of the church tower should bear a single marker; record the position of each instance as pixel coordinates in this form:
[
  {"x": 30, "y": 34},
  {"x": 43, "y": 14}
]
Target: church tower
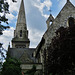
[{"x": 20, "y": 39}]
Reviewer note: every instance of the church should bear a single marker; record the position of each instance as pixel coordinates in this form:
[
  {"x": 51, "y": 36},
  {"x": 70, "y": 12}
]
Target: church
[
  {"x": 20, "y": 44},
  {"x": 35, "y": 56}
]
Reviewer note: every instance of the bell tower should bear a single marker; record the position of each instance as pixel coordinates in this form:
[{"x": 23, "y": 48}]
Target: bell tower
[
  {"x": 20, "y": 39},
  {"x": 49, "y": 20}
]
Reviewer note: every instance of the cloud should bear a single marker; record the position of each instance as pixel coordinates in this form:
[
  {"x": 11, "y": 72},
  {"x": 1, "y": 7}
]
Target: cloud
[
  {"x": 10, "y": 17},
  {"x": 36, "y": 22},
  {"x": 35, "y": 37},
  {"x": 34, "y": 18},
  {"x": 13, "y": 7},
  {"x": 40, "y": 6},
  {"x": 6, "y": 37}
]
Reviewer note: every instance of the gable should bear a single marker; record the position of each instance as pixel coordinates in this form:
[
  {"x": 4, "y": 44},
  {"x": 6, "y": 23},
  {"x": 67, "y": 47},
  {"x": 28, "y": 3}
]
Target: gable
[
  {"x": 22, "y": 54},
  {"x": 61, "y": 20},
  {"x": 67, "y": 11}
]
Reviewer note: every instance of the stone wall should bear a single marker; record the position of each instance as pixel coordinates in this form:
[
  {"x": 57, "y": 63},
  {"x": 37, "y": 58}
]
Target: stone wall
[
  {"x": 60, "y": 21},
  {"x": 26, "y": 67}
]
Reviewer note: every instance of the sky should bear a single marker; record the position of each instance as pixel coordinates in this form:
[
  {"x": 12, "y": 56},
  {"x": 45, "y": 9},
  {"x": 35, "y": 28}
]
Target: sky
[{"x": 37, "y": 12}]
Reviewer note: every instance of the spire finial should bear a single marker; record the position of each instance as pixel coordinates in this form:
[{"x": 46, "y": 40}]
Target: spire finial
[{"x": 68, "y": 0}]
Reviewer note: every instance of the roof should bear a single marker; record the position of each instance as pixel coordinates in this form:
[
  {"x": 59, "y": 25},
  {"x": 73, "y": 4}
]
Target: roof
[{"x": 23, "y": 54}]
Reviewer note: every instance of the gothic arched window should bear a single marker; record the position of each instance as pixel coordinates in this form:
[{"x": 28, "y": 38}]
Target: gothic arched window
[
  {"x": 20, "y": 33},
  {"x": 71, "y": 21}
]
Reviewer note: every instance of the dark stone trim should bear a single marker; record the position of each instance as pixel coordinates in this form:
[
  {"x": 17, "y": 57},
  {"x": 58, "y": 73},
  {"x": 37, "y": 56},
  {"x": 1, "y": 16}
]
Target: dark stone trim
[{"x": 21, "y": 41}]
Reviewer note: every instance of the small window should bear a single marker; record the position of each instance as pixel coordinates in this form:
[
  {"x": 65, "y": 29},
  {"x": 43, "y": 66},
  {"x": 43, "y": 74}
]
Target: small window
[
  {"x": 32, "y": 54},
  {"x": 50, "y": 23},
  {"x": 20, "y": 33},
  {"x": 71, "y": 21}
]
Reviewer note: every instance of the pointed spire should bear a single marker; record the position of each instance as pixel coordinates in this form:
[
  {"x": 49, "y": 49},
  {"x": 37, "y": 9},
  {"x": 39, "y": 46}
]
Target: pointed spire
[
  {"x": 21, "y": 15},
  {"x": 68, "y": 0},
  {"x": 21, "y": 32}
]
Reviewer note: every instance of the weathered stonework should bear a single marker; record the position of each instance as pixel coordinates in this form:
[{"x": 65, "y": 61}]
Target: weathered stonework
[
  {"x": 20, "y": 39},
  {"x": 49, "y": 20},
  {"x": 20, "y": 44},
  {"x": 26, "y": 67},
  {"x": 60, "y": 21}
]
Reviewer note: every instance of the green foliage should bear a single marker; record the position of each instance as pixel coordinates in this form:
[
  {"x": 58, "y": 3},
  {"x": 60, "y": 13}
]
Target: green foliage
[
  {"x": 0, "y": 73},
  {"x": 4, "y": 9},
  {"x": 61, "y": 59},
  {"x": 11, "y": 67},
  {"x": 32, "y": 71}
]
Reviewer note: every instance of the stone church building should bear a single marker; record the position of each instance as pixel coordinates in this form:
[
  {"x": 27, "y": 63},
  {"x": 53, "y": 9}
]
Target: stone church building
[{"x": 20, "y": 43}]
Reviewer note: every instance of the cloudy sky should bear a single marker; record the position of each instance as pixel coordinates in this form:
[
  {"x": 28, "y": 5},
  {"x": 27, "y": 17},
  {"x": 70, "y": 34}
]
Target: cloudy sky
[{"x": 37, "y": 12}]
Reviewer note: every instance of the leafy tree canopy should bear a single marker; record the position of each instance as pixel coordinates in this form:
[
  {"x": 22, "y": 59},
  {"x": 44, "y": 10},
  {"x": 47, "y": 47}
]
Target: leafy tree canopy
[
  {"x": 11, "y": 67},
  {"x": 61, "y": 59},
  {"x": 4, "y": 9}
]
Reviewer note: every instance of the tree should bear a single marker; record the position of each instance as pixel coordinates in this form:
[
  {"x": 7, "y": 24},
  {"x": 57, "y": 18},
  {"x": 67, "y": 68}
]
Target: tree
[
  {"x": 4, "y": 9},
  {"x": 61, "y": 52},
  {"x": 11, "y": 67},
  {"x": 2, "y": 55},
  {"x": 32, "y": 71}
]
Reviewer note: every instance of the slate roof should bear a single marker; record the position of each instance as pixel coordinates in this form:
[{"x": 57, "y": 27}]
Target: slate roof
[{"x": 23, "y": 54}]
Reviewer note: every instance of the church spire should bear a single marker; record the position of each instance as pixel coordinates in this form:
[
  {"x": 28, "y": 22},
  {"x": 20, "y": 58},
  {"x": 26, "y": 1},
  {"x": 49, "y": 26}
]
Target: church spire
[
  {"x": 68, "y": 0},
  {"x": 21, "y": 15},
  {"x": 20, "y": 39}
]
